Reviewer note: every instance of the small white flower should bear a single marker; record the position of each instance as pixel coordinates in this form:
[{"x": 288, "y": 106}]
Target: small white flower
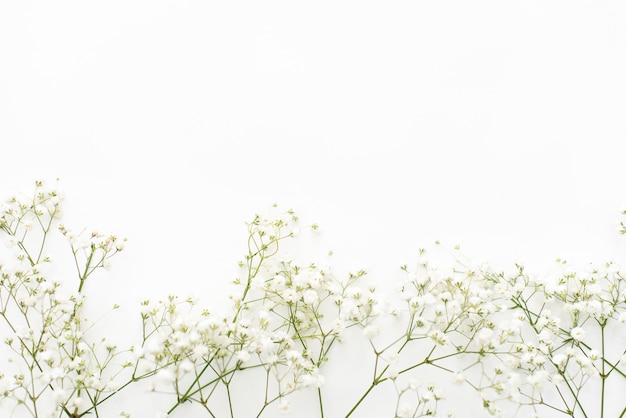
[
  {"x": 313, "y": 380},
  {"x": 59, "y": 395},
  {"x": 243, "y": 356},
  {"x": 556, "y": 379},
  {"x": 28, "y": 301},
  {"x": 354, "y": 293},
  {"x": 371, "y": 331},
  {"x": 56, "y": 373},
  {"x": 338, "y": 325},
  {"x": 538, "y": 378},
  {"x": 559, "y": 360},
  {"x": 293, "y": 356},
  {"x": 290, "y": 296},
  {"x": 485, "y": 334},
  {"x": 310, "y": 297},
  {"x": 200, "y": 351},
  {"x": 106, "y": 264},
  {"x": 10, "y": 241},
  {"x": 186, "y": 366},
  {"x": 284, "y": 406},
  {"x": 405, "y": 411},
  {"x": 165, "y": 376},
  {"x": 45, "y": 356},
  {"x": 414, "y": 384},
  {"x": 438, "y": 336},
  {"x": 390, "y": 358},
  {"x": 112, "y": 385},
  {"x": 577, "y": 333},
  {"x": 539, "y": 360}
]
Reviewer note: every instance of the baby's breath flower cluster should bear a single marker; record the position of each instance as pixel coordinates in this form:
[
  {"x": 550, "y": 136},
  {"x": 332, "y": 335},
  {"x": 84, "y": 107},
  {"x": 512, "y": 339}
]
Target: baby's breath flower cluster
[
  {"x": 551, "y": 344},
  {"x": 285, "y": 319},
  {"x": 572, "y": 338},
  {"x": 525, "y": 344},
  {"x": 52, "y": 366},
  {"x": 443, "y": 316},
  {"x": 542, "y": 345}
]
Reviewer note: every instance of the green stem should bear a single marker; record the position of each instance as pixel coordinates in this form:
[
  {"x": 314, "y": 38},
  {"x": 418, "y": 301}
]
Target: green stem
[
  {"x": 356, "y": 405},
  {"x": 603, "y": 376},
  {"x": 377, "y": 378},
  {"x": 230, "y": 403},
  {"x": 83, "y": 277},
  {"x": 319, "y": 397},
  {"x": 253, "y": 266}
]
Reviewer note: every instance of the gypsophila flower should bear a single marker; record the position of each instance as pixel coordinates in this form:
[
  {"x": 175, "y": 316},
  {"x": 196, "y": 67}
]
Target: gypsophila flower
[
  {"x": 284, "y": 406},
  {"x": 524, "y": 342},
  {"x": 577, "y": 333},
  {"x": 371, "y": 331}
]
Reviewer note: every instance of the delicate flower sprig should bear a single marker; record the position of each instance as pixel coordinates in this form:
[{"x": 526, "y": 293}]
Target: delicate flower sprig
[
  {"x": 566, "y": 321},
  {"x": 448, "y": 316},
  {"x": 525, "y": 343},
  {"x": 285, "y": 320},
  {"x": 57, "y": 368}
]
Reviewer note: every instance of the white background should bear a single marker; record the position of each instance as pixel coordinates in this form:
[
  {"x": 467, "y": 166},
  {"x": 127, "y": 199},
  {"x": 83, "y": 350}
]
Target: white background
[{"x": 495, "y": 125}]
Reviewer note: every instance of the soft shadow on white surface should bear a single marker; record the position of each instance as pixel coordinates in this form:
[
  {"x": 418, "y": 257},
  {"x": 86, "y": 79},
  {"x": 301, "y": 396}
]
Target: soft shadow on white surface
[{"x": 496, "y": 126}]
